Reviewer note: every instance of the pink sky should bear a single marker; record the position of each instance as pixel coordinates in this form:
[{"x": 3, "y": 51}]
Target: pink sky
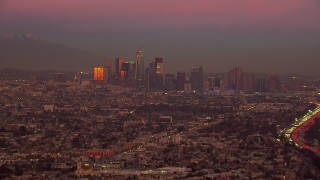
[{"x": 103, "y": 15}]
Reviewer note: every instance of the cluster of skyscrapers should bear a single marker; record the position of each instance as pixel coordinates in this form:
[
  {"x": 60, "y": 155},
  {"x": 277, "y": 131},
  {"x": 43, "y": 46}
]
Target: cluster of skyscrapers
[
  {"x": 134, "y": 73},
  {"x": 152, "y": 76}
]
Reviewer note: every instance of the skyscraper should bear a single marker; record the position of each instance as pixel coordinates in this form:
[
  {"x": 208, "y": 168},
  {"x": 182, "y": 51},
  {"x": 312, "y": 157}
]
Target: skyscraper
[
  {"x": 98, "y": 75},
  {"x": 169, "y": 82},
  {"x": 118, "y": 66},
  {"x": 248, "y": 82},
  {"x": 261, "y": 85},
  {"x": 139, "y": 72},
  {"x": 235, "y": 79},
  {"x": 151, "y": 75},
  {"x": 107, "y": 71},
  {"x": 196, "y": 78},
  {"x": 181, "y": 79},
  {"x": 159, "y": 73}
]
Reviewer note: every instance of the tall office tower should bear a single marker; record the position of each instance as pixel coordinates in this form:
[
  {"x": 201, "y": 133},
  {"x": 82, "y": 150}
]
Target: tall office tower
[
  {"x": 169, "y": 82},
  {"x": 159, "y": 73},
  {"x": 261, "y": 85},
  {"x": 294, "y": 84},
  {"x": 131, "y": 69},
  {"x": 196, "y": 78},
  {"x": 249, "y": 82},
  {"x": 118, "y": 66},
  {"x": 139, "y": 72},
  {"x": 151, "y": 75},
  {"x": 274, "y": 84},
  {"x": 98, "y": 75},
  {"x": 125, "y": 69},
  {"x": 107, "y": 71},
  {"x": 147, "y": 80},
  {"x": 181, "y": 79},
  {"x": 210, "y": 81},
  {"x": 235, "y": 78},
  {"x": 127, "y": 73}
]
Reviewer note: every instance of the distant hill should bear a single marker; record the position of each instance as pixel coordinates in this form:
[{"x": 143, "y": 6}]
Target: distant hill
[{"x": 27, "y": 51}]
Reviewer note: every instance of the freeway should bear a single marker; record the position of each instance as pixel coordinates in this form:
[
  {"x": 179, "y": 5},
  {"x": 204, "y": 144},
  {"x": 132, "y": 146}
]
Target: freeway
[{"x": 296, "y": 132}]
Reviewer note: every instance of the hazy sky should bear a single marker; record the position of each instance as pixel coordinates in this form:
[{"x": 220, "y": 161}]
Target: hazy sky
[{"x": 275, "y": 36}]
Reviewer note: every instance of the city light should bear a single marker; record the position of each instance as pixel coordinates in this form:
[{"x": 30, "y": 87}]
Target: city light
[{"x": 98, "y": 73}]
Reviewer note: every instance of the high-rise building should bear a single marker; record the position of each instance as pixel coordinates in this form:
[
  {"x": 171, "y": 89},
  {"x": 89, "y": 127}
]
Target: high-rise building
[
  {"x": 196, "y": 78},
  {"x": 152, "y": 73},
  {"x": 181, "y": 79},
  {"x": 118, "y": 66},
  {"x": 139, "y": 69},
  {"x": 248, "y": 82},
  {"x": 235, "y": 79},
  {"x": 98, "y": 75},
  {"x": 131, "y": 69},
  {"x": 210, "y": 81},
  {"x": 159, "y": 73},
  {"x": 147, "y": 78},
  {"x": 169, "y": 82},
  {"x": 261, "y": 85},
  {"x": 126, "y": 69},
  {"x": 107, "y": 71},
  {"x": 274, "y": 84}
]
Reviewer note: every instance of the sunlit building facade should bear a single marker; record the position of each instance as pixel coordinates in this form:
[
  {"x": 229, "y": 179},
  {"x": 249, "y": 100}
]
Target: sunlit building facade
[{"x": 98, "y": 74}]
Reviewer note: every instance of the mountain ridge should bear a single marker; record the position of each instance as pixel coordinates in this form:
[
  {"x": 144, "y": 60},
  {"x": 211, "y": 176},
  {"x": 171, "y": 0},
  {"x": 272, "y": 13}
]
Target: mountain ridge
[{"x": 28, "y": 51}]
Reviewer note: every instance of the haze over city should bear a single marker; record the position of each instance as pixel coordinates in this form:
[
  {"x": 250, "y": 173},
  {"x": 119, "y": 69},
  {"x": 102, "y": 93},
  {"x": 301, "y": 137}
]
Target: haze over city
[
  {"x": 270, "y": 36},
  {"x": 159, "y": 89}
]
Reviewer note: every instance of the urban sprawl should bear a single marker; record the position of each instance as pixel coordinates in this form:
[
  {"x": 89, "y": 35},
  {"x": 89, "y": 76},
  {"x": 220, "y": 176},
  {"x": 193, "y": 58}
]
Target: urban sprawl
[{"x": 136, "y": 122}]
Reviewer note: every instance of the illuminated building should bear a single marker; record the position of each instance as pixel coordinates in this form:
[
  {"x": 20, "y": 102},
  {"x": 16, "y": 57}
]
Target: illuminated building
[
  {"x": 235, "y": 80},
  {"x": 181, "y": 79},
  {"x": 98, "y": 74},
  {"x": 196, "y": 78}
]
